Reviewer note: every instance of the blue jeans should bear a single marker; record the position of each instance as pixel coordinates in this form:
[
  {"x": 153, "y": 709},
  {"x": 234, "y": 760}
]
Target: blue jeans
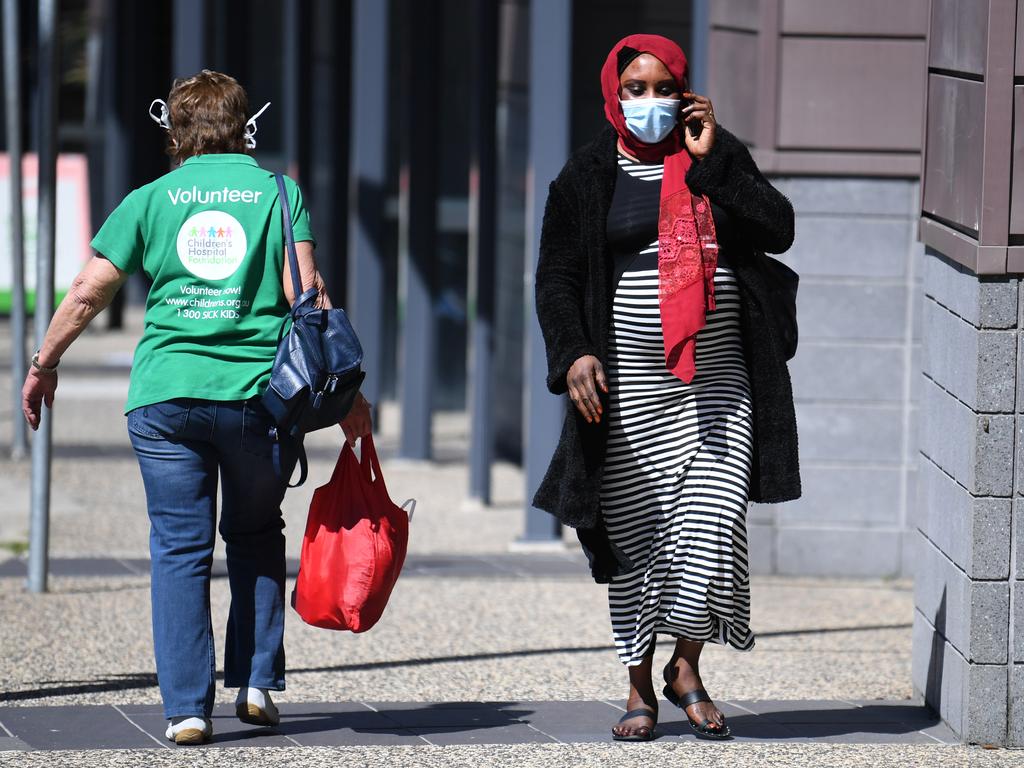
[{"x": 183, "y": 446}]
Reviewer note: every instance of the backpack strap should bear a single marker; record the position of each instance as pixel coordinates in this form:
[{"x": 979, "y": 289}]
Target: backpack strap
[
  {"x": 283, "y": 446},
  {"x": 289, "y": 239}
]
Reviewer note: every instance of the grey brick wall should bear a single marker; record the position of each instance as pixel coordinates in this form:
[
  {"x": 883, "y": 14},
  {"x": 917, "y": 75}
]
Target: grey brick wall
[
  {"x": 854, "y": 381},
  {"x": 969, "y": 576}
]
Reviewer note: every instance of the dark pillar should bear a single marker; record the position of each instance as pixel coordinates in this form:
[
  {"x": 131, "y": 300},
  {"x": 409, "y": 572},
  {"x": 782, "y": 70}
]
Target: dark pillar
[
  {"x": 418, "y": 230},
  {"x": 367, "y": 180},
  {"x": 190, "y": 34},
  {"x": 291, "y": 111},
  {"x": 116, "y": 146},
  {"x": 324, "y": 151},
  {"x": 482, "y": 250},
  {"x": 550, "y": 70}
]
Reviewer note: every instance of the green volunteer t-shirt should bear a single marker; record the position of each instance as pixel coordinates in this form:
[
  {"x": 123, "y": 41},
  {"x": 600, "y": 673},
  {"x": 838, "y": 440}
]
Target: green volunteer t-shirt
[{"x": 209, "y": 236}]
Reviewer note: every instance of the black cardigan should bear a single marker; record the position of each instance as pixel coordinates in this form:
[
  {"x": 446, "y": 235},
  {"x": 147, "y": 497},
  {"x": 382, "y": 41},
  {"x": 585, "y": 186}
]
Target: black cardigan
[{"x": 574, "y": 290}]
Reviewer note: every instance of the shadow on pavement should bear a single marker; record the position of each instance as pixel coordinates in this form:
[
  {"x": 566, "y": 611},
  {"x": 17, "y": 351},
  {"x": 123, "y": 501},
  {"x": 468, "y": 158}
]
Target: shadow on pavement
[{"x": 132, "y": 681}]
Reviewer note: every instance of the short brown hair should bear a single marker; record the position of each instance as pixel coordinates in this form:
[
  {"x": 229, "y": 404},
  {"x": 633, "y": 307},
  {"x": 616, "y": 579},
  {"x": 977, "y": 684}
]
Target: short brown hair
[{"x": 208, "y": 112}]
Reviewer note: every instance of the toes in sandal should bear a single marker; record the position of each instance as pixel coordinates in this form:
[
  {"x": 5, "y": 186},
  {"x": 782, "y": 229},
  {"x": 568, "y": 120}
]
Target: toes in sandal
[
  {"x": 643, "y": 733},
  {"x": 705, "y": 730}
]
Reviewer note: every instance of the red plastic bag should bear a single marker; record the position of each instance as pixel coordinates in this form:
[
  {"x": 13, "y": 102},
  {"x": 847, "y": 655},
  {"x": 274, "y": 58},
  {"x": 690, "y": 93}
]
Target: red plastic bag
[{"x": 354, "y": 546}]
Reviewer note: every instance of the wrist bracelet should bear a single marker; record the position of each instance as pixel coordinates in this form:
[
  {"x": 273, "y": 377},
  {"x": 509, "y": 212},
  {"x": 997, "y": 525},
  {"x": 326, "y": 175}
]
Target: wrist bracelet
[{"x": 42, "y": 368}]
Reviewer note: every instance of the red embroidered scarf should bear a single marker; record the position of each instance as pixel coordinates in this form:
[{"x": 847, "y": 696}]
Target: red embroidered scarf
[{"x": 687, "y": 245}]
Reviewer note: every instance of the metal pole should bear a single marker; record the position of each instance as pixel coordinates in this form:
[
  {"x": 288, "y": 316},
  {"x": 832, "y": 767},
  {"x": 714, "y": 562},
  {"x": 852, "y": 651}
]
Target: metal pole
[
  {"x": 418, "y": 231},
  {"x": 482, "y": 251},
  {"x": 12, "y": 87},
  {"x": 367, "y": 182},
  {"x": 700, "y": 34},
  {"x": 550, "y": 70},
  {"x": 49, "y": 79}
]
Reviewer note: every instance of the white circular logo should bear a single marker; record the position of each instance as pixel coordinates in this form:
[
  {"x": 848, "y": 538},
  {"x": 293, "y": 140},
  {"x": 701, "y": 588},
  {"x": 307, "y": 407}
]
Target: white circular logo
[{"x": 211, "y": 245}]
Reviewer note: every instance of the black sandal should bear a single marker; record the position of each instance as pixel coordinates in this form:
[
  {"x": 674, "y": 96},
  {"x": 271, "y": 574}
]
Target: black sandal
[
  {"x": 707, "y": 729},
  {"x": 648, "y": 736}
]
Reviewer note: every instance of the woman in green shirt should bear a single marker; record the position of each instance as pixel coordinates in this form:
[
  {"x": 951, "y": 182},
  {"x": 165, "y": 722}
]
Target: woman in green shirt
[{"x": 209, "y": 237}]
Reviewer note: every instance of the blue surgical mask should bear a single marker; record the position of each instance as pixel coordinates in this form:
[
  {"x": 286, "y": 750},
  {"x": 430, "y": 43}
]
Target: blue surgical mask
[{"x": 650, "y": 120}]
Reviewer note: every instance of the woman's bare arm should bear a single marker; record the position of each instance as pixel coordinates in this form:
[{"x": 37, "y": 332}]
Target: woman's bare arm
[
  {"x": 308, "y": 272},
  {"x": 91, "y": 292}
]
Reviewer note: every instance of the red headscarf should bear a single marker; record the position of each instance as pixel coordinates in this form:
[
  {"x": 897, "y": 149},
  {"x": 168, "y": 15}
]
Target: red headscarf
[{"x": 687, "y": 246}]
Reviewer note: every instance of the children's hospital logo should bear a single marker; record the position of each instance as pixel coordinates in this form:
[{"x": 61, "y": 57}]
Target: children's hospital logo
[{"x": 211, "y": 245}]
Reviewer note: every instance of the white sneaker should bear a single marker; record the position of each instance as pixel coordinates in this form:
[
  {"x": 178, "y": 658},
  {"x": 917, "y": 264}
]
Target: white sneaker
[
  {"x": 254, "y": 706},
  {"x": 189, "y": 730}
]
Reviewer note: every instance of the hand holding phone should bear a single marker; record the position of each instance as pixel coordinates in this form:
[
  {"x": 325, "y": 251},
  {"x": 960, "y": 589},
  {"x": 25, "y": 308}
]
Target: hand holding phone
[
  {"x": 697, "y": 114},
  {"x": 694, "y": 126}
]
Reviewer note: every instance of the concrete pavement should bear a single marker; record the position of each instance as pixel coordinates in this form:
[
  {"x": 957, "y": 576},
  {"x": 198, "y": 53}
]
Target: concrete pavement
[{"x": 469, "y": 623}]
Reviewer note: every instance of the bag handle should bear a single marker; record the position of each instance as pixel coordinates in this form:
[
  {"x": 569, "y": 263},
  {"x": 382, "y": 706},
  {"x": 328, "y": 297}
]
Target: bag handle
[
  {"x": 370, "y": 462},
  {"x": 289, "y": 239}
]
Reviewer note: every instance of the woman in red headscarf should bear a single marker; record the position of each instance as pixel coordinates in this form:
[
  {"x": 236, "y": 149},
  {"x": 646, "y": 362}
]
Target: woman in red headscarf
[{"x": 659, "y": 324}]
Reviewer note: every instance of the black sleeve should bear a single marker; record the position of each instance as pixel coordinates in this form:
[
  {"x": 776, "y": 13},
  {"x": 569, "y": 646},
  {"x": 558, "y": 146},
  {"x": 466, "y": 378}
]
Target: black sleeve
[
  {"x": 729, "y": 177},
  {"x": 560, "y": 284}
]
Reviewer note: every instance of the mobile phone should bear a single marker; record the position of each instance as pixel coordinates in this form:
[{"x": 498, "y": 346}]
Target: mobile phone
[{"x": 696, "y": 127}]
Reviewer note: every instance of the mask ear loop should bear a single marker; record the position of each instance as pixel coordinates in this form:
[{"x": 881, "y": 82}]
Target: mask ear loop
[
  {"x": 164, "y": 118},
  {"x": 250, "y": 127}
]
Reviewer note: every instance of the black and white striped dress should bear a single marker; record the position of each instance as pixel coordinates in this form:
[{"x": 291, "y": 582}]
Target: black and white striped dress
[{"x": 677, "y": 469}]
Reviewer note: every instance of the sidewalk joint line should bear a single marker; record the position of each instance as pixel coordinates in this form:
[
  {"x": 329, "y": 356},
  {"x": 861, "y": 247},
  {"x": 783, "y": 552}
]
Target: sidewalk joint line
[
  {"x": 126, "y": 564},
  {"x": 936, "y": 739},
  {"x": 139, "y": 727},
  {"x": 740, "y": 706},
  {"x": 543, "y": 733},
  {"x": 399, "y": 725},
  {"x": 613, "y": 705}
]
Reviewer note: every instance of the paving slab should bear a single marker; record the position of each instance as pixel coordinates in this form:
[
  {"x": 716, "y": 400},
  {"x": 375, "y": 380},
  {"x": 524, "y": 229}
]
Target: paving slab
[
  {"x": 443, "y": 713},
  {"x": 498, "y": 723},
  {"x": 574, "y": 721},
  {"x": 879, "y": 733},
  {"x": 11, "y": 743},
  {"x": 74, "y": 728},
  {"x": 339, "y": 724},
  {"x": 498, "y": 734}
]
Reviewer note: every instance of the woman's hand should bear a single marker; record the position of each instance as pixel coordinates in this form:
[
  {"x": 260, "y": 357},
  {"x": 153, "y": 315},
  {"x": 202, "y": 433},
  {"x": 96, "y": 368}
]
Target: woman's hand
[
  {"x": 585, "y": 376},
  {"x": 38, "y": 389},
  {"x": 700, "y": 109},
  {"x": 359, "y": 422}
]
